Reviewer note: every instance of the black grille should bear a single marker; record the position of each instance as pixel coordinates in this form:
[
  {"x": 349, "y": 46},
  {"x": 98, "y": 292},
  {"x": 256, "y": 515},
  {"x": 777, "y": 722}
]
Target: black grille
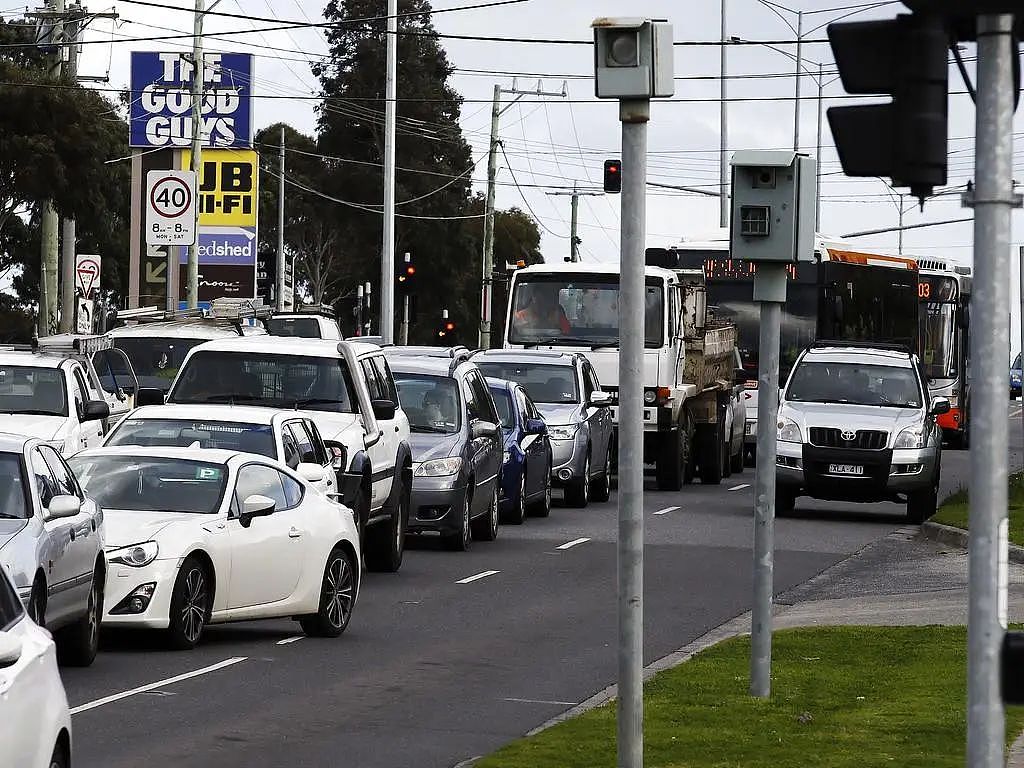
[{"x": 830, "y": 437}]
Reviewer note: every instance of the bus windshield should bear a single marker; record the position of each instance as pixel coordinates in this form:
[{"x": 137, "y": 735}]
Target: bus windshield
[{"x": 575, "y": 310}]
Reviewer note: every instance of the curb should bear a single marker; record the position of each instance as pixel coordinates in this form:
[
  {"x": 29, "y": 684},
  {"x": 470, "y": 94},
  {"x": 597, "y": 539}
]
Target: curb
[{"x": 958, "y": 537}]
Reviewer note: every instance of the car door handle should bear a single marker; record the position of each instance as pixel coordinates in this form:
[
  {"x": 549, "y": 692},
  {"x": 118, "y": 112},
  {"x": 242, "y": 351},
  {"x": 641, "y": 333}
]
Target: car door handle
[{"x": 294, "y": 533}]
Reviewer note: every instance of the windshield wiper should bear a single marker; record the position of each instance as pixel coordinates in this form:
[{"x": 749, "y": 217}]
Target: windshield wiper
[
  {"x": 227, "y": 399},
  {"x": 319, "y": 401},
  {"x": 431, "y": 430},
  {"x": 556, "y": 339},
  {"x": 32, "y": 412},
  {"x": 9, "y": 516},
  {"x": 605, "y": 345}
]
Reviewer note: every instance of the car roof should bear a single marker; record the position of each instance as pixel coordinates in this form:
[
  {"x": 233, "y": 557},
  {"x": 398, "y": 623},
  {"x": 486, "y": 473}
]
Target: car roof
[
  {"x": 213, "y": 455},
  {"x": 285, "y": 345},
  {"x": 413, "y": 350},
  {"x": 187, "y": 329},
  {"x": 840, "y": 354},
  {"x": 549, "y": 356},
  {"x": 13, "y": 443},
  {"x": 428, "y": 366},
  {"x": 238, "y": 413},
  {"x": 31, "y": 359}
]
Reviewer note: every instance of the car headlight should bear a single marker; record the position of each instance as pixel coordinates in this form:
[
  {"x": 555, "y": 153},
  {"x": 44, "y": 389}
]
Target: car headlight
[
  {"x": 563, "y": 431},
  {"x": 789, "y": 432},
  {"x": 439, "y": 467},
  {"x": 137, "y": 555},
  {"x": 911, "y": 437}
]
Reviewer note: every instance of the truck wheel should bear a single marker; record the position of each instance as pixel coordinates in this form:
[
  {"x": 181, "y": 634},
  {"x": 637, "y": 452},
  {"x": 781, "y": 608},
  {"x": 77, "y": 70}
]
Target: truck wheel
[
  {"x": 670, "y": 464},
  {"x": 736, "y": 463},
  {"x": 711, "y": 455}
]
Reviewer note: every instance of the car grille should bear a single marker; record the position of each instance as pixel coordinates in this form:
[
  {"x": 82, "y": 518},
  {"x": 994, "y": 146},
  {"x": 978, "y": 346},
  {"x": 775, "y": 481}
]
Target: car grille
[{"x": 830, "y": 437}]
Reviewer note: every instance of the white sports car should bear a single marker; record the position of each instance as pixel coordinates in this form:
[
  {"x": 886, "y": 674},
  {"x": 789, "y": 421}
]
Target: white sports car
[{"x": 198, "y": 536}]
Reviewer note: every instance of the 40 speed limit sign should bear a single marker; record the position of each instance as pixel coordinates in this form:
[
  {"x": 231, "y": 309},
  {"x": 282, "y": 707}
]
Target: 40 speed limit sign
[{"x": 170, "y": 208}]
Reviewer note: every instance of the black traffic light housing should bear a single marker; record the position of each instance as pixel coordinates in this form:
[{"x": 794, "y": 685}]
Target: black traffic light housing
[
  {"x": 612, "y": 176},
  {"x": 906, "y": 139},
  {"x": 406, "y": 274}
]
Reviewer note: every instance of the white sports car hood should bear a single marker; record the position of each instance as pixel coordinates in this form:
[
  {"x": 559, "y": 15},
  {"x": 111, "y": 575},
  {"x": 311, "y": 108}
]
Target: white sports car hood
[
  {"x": 843, "y": 416},
  {"x": 32, "y": 425},
  {"x": 126, "y": 527}
]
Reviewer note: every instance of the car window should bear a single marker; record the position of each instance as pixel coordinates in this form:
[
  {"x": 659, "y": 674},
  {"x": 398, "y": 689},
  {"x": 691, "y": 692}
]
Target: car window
[
  {"x": 292, "y": 491},
  {"x": 473, "y": 405},
  {"x": 261, "y": 480},
  {"x": 483, "y": 396},
  {"x": 80, "y": 390},
  {"x": 113, "y": 370},
  {"x": 13, "y": 498},
  {"x": 387, "y": 381},
  {"x": 590, "y": 376},
  {"x": 322, "y": 454},
  {"x": 291, "y": 447},
  {"x": 228, "y": 435},
  {"x": 46, "y": 483},
  {"x": 11, "y": 609},
  {"x": 378, "y": 391},
  {"x": 66, "y": 483},
  {"x": 33, "y": 390},
  {"x": 523, "y": 404},
  {"x": 544, "y": 382},
  {"x": 588, "y": 384},
  {"x": 855, "y": 384},
  {"x": 304, "y": 442},
  {"x": 149, "y": 483},
  {"x": 503, "y": 402}
]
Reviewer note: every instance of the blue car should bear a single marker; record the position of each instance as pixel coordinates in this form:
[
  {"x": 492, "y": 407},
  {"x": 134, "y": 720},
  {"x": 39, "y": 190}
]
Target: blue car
[
  {"x": 1015, "y": 379},
  {"x": 526, "y": 471}
]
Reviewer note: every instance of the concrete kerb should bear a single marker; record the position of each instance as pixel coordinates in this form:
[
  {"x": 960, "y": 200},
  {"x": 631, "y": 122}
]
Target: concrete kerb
[{"x": 958, "y": 537}]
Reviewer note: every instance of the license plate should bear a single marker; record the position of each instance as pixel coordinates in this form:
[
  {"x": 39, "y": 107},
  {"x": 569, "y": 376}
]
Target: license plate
[{"x": 845, "y": 469}]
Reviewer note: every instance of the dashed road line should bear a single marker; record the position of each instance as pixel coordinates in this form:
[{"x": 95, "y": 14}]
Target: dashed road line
[
  {"x": 573, "y": 543},
  {"x": 666, "y": 510},
  {"x": 740, "y": 487},
  {"x": 288, "y": 640},
  {"x": 477, "y": 577},
  {"x": 158, "y": 684}
]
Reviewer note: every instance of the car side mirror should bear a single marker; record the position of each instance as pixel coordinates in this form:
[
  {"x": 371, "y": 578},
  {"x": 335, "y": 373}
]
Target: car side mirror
[
  {"x": 94, "y": 410},
  {"x": 940, "y": 406},
  {"x": 10, "y": 649},
  {"x": 483, "y": 429},
  {"x": 338, "y": 453},
  {"x": 310, "y": 472},
  {"x": 63, "y": 506},
  {"x": 149, "y": 396},
  {"x": 535, "y": 427},
  {"x": 256, "y": 506},
  {"x": 384, "y": 410},
  {"x": 600, "y": 399}
]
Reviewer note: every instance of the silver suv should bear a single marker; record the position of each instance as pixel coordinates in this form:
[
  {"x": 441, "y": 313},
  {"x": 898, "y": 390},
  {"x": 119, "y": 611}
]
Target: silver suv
[{"x": 856, "y": 424}]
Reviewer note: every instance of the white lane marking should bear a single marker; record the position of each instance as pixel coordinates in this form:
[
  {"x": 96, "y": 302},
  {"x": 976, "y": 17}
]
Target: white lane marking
[
  {"x": 1016, "y": 413},
  {"x": 666, "y": 510},
  {"x": 740, "y": 487},
  {"x": 573, "y": 543},
  {"x": 290, "y": 640},
  {"x": 477, "y": 577},
  {"x": 543, "y": 701},
  {"x": 158, "y": 684}
]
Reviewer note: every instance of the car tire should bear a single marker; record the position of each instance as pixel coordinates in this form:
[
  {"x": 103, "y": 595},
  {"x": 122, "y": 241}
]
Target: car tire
[
  {"x": 671, "y": 460},
  {"x": 37, "y": 602},
  {"x": 785, "y": 501},
  {"x": 922, "y": 504},
  {"x": 191, "y": 605},
  {"x": 78, "y": 643},
  {"x": 736, "y": 462},
  {"x": 577, "y": 492},
  {"x": 59, "y": 758},
  {"x": 542, "y": 507},
  {"x": 337, "y": 597},
  {"x": 461, "y": 539},
  {"x": 517, "y": 515},
  {"x": 485, "y": 527},
  {"x": 601, "y": 489},
  {"x": 385, "y": 542},
  {"x": 711, "y": 455}
]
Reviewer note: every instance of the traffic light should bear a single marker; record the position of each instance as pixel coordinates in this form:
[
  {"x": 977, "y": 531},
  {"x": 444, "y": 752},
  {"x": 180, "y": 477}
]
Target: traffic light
[
  {"x": 612, "y": 176},
  {"x": 906, "y": 140},
  {"x": 406, "y": 272}
]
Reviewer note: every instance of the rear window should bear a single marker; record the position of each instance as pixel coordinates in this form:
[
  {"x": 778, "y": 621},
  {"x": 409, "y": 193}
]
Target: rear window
[
  {"x": 229, "y": 435},
  {"x": 302, "y": 327},
  {"x": 156, "y": 359},
  {"x": 543, "y": 382}
]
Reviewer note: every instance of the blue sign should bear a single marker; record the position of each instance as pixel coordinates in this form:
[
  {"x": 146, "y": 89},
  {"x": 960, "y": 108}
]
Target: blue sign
[
  {"x": 161, "y": 107},
  {"x": 227, "y": 263}
]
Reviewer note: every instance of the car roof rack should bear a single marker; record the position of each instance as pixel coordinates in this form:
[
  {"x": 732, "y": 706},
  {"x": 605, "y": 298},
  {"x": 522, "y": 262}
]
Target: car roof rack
[
  {"x": 224, "y": 310},
  {"x": 64, "y": 344},
  {"x": 888, "y": 346},
  {"x": 323, "y": 310}
]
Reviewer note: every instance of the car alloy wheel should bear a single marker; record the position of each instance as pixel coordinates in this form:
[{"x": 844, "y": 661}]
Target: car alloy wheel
[
  {"x": 467, "y": 531},
  {"x": 37, "y": 604},
  {"x": 339, "y": 591},
  {"x": 193, "y": 609},
  {"x": 521, "y": 503}
]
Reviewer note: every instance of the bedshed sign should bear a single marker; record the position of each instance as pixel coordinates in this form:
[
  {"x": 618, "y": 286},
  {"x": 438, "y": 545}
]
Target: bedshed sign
[{"x": 161, "y": 107}]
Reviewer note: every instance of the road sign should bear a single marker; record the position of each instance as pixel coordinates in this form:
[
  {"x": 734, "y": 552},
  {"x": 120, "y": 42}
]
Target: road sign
[
  {"x": 170, "y": 201},
  {"x": 87, "y": 273},
  {"x": 84, "y": 315}
]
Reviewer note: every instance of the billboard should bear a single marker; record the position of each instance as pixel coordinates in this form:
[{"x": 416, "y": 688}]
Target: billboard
[
  {"x": 227, "y": 263},
  {"x": 161, "y": 106}
]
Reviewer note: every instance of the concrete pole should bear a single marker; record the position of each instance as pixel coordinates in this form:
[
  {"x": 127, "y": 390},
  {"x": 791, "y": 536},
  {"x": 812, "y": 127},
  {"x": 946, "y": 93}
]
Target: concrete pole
[
  {"x": 49, "y": 222},
  {"x": 770, "y": 291},
  {"x": 817, "y": 174},
  {"x": 68, "y": 234},
  {"x": 280, "y": 228},
  {"x": 1020, "y": 267},
  {"x": 799, "y": 64},
  {"x": 634, "y": 116},
  {"x": 387, "y": 261},
  {"x": 484, "y": 342},
  {"x": 723, "y": 130},
  {"x": 574, "y": 253},
  {"x": 990, "y": 346},
  {"x": 367, "y": 290},
  {"x": 359, "y": 310},
  {"x": 196, "y": 160}
]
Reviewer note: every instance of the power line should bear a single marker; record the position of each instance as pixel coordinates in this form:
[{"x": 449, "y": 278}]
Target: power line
[{"x": 522, "y": 194}]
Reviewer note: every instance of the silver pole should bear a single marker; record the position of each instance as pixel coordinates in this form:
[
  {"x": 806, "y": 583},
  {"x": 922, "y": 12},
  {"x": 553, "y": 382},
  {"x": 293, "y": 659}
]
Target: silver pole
[
  {"x": 387, "y": 261},
  {"x": 634, "y": 116},
  {"x": 49, "y": 225},
  {"x": 488, "y": 252},
  {"x": 1021, "y": 319},
  {"x": 723, "y": 130},
  {"x": 359, "y": 310},
  {"x": 799, "y": 64},
  {"x": 280, "y": 226},
  {"x": 990, "y": 343},
  {"x": 68, "y": 234},
  {"x": 574, "y": 218},
  {"x": 196, "y": 160},
  {"x": 770, "y": 291},
  {"x": 404, "y": 335},
  {"x": 817, "y": 173}
]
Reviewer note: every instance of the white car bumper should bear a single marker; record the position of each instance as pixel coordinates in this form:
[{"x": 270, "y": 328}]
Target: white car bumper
[{"x": 124, "y": 580}]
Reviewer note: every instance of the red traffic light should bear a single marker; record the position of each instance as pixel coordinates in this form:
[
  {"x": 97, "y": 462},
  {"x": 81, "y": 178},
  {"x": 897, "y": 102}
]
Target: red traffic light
[
  {"x": 449, "y": 326},
  {"x": 410, "y": 270}
]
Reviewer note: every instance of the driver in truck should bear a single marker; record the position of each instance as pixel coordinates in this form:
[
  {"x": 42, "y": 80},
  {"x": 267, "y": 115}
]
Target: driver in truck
[{"x": 543, "y": 312}]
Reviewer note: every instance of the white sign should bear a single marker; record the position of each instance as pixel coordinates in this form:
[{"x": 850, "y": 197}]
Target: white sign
[
  {"x": 87, "y": 273},
  {"x": 170, "y": 208},
  {"x": 83, "y": 315}
]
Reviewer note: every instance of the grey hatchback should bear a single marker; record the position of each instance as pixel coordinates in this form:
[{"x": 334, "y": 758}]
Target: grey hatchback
[
  {"x": 456, "y": 448},
  {"x": 578, "y": 413}
]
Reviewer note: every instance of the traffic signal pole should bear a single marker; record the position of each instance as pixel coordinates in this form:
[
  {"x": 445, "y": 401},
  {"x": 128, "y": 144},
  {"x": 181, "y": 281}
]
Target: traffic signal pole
[
  {"x": 993, "y": 202},
  {"x": 387, "y": 266}
]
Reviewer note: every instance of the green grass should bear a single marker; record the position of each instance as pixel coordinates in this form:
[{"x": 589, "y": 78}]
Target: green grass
[
  {"x": 953, "y": 510},
  {"x": 842, "y": 696}
]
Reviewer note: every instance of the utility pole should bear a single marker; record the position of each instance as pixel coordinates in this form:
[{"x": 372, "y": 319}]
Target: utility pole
[
  {"x": 403, "y": 330},
  {"x": 723, "y": 129},
  {"x": 799, "y": 64},
  {"x": 993, "y": 202},
  {"x": 196, "y": 160},
  {"x": 387, "y": 260},
  {"x": 49, "y": 222},
  {"x": 280, "y": 227},
  {"x": 68, "y": 235},
  {"x": 817, "y": 178},
  {"x": 574, "y": 239},
  {"x": 487, "y": 277}
]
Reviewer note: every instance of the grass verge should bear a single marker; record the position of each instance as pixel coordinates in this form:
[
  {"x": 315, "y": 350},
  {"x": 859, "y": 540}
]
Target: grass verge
[
  {"x": 953, "y": 510},
  {"x": 842, "y": 696}
]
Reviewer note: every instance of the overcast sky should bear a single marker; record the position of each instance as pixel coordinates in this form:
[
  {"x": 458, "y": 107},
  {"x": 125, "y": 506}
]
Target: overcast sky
[{"x": 553, "y": 142}]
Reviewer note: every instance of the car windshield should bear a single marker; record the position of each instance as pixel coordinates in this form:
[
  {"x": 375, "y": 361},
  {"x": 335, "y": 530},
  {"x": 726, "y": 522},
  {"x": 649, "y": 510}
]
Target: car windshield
[
  {"x": 152, "y": 484},
  {"x": 12, "y": 488},
  {"x": 32, "y": 390},
  {"x": 503, "y": 402},
  {"x": 156, "y": 359},
  {"x": 272, "y": 380},
  {"x": 430, "y": 402},
  {"x": 302, "y": 327},
  {"x": 229, "y": 435},
  {"x": 855, "y": 384},
  {"x": 543, "y": 382}
]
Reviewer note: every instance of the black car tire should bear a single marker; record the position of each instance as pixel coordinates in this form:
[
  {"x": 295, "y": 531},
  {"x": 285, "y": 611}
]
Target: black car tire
[
  {"x": 78, "y": 643},
  {"x": 485, "y": 527},
  {"x": 711, "y": 455},
  {"x": 59, "y": 758},
  {"x": 517, "y": 515},
  {"x": 37, "y": 602},
  {"x": 671, "y": 460},
  {"x": 191, "y": 603},
  {"x": 601, "y": 489},
  {"x": 385, "y": 542},
  {"x": 922, "y": 504},
  {"x": 460, "y": 539},
  {"x": 542, "y": 507},
  {"x": 337, "y": 597},
  {"x": 785, "y": 501},
  {"x": 577, "y": 492}
]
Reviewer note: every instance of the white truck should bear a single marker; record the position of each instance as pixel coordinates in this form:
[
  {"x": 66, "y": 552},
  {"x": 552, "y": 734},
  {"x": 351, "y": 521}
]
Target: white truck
[{"x": 693, "y": 419}]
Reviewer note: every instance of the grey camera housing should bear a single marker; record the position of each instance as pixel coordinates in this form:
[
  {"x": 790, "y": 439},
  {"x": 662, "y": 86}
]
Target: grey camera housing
[
  {"x": 647, "y": 73},
  {"x": 773, "y": 206}
]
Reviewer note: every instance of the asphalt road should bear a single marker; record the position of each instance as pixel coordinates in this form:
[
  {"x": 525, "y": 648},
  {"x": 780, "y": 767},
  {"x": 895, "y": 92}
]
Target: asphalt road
[{"x": 433, "y": 671}]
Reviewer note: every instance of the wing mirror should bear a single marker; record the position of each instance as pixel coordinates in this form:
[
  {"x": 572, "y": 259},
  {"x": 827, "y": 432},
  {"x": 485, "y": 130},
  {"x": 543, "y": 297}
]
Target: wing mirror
[
  {"x": 483, "y": 429},
  {"x": 599, "y": 399},
  {"x": 384, "y": 410},
  {"x": 63, "y": 506},
  {"x": 338, "y": 455},
  {"x": 256, "y": 506},
  {"x": 535, "y": 427},
  {"x": 149, "y": 396},
  {"x": 94, "y": 410},
  {"x": 940, "y": 406},
  {"x": 10, "y": 649},
  {"x": 310, "y": 472}
]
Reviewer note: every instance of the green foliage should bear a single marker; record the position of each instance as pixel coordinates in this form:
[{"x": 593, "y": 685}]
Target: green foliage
[{"x": 955, "y": 510}]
